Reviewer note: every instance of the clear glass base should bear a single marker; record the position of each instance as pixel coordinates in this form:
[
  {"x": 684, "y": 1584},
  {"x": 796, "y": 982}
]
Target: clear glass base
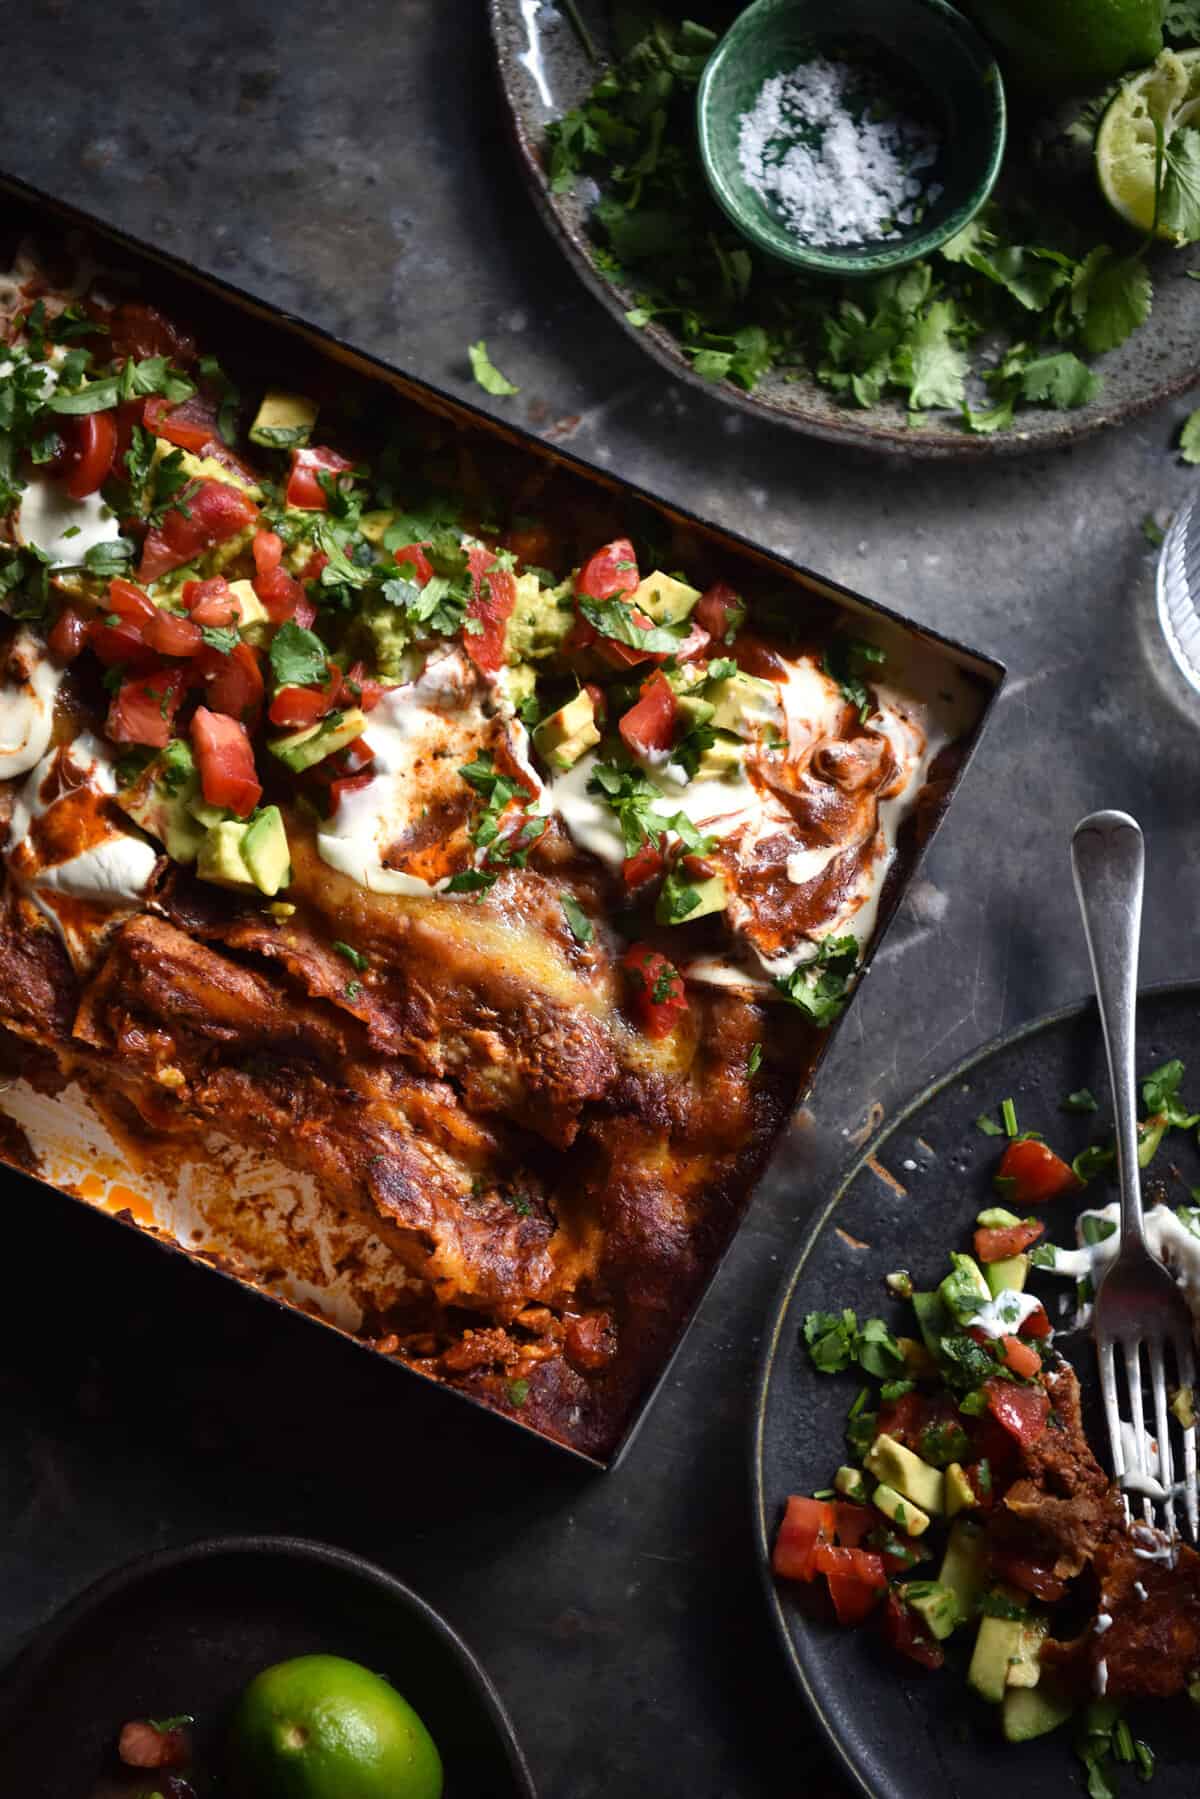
[{"x": 1178, "y": 588}]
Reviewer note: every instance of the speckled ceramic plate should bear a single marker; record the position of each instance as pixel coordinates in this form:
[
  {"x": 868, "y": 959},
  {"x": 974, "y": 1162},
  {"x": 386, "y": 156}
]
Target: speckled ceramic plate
[
  {"x": 913, "y": 1194},
  {"x": 544, "y": 70}
]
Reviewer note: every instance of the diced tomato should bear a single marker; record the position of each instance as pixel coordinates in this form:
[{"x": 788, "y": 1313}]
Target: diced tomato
[
  {"x": 171, "y": 635},
  {"x": 581, "y": 636},
  {"x": 658, "y": 991},
  {"x": 609, "y": 572},
  {"x": 1036, "y": 1325},
  {"x": 645, "y": 864},
  {"x": 1022, "y": 1411},
  {"x": 806, "y": 1523},
  {"x": 267, "y": 550},
  {"x": 305, "y": 614},
  {"x": 190, "y": 425},
  {"x": 90, "y": 459},
  {"x": 359, "y": 689},
  {"x": 143, "y": 708},
  {"x": 853, "y": 1523},
  {"x": 350, "y": 784},
  {"x": 297, "y": 706},
  {"x": 720, "y": 611},
  {"x": 233, "y": 683},
  {"x": 649, "y": 725},
  {"x": 217, "y": 511},
  {"x": 211, "y": 603},
  {"x": 226, "y": 760},
  {"x": 908, "y": 1637},
  {"x": 1030, "y": 1575},
  {"x": 903, "y": 1418},
  {"x": 308, "y": 462},
  {"x": 414, "y": 554},
  {"x": 1019, "y": 1358},
  {"x": 856, "y": 1579},
  {"x": 1035, "y": 1172},
  {"x": 493, "y": 596},
  {"x": 143, "y": 1744},
  {"x": 139, "y": 331},
  {"x": 312, "y": 568},
  {"x": 694, "y": 645},
  {"x": 1000, "y": 1242},
  {"x": 120, "y": 645},
  {"x": 281, "y": 596},
  {"x": 68, "y": 634},
  {"x": 129, "y": 602}
]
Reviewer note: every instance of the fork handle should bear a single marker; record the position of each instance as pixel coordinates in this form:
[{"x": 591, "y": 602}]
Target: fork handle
[{"x": 1108, "y": 862}]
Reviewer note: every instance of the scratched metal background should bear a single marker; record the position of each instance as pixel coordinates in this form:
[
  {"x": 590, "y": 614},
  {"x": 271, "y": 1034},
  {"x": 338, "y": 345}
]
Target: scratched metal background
[{"x": 357, "y": 169}]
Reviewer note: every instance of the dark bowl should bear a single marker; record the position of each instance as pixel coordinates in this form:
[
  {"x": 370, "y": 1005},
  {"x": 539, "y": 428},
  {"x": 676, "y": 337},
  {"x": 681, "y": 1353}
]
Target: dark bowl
[{"x": 185, "y": 1630}]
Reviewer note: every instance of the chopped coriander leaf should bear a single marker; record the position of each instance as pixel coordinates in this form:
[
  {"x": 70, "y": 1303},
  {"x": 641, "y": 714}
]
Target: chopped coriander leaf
[
  {"x": 847, "y": 661},
  {"x": 820, "y": 987},
  {"x": 1189, "y": 436},
  {"x": 754, "y": 1059},
  {"x": 1152, "y": 531},
  {"x": 518, "y": 1392},
  {"x": 298, "y": 657},
  {"x": 988, "y": 1126},
  {"x": 353, "y": 989},
  {"x": 486, "y": 373},
  {"x": 355, "y": 957},
  {"x": 224, "y": 639},
  {"x": 580, "y": 925},
  {"x": 109, "y": 559},
  {"x": 614, "y": 618},
  {"x": 1160, "y": 1095},
  {"x": 1082, "y": 1100},
  {"x": 1096, "y": 1159}
]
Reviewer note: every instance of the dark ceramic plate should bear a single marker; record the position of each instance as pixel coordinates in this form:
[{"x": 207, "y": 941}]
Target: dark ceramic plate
[
  {"x": 544, "y": 71},
  {"x": 186, "y": 1629},
  {"x": 912, "y": 1195}
]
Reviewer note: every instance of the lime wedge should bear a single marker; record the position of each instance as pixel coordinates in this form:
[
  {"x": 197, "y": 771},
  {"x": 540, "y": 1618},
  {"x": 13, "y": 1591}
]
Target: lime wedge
[{"x": 1167, "y": 93}]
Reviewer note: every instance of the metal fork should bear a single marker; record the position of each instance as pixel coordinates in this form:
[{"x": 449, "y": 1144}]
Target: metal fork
[{"x": 1138, "y": 1307}]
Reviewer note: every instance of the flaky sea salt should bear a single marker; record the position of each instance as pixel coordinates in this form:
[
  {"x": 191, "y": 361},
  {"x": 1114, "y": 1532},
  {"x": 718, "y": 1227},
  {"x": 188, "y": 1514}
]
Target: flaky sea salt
[{"x": 835, "y": 174}]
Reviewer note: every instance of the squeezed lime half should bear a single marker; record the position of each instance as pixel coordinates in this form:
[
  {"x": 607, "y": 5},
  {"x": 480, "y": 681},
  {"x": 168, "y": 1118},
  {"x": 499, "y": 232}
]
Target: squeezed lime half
[{"x": 1166, "y": 94}]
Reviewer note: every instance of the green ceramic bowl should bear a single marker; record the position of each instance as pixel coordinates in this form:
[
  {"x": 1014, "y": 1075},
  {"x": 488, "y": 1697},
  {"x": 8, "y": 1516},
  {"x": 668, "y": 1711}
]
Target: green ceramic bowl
[{"x": 937, "y": 51}]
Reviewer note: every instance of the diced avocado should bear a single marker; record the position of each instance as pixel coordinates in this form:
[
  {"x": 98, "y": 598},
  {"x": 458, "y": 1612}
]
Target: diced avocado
[
  {"x": 964, "y": 1290},
  {"x": 680, "y": 901},
  {"x": 896, "y": 1466},
  {"x": 935, "y": 1604},
  {"x": 265, "y": 851},
  {"x": 664, "y": 599},
  {"x": 207, "y": 468},
  {"x": 1031, "y": 1712},
  {"x": 1025, "y": 1669},
  {"x": 960, "y": 1494},
  {"x": 741, "y": 702},
  {"x": 220, "y": 857},
  {"x": 254, "y": 624},
  {"x": 722, "y": 758},
  {"x": 998, "y": 1644},
  {"x": 540, "y": 619},
  {"x": 517, "y": 681},
  {"x": 901, "y": 1510},
  {"x": 1006, "y": 1276},
  {"x": 933, "y": 1319},
  {"x": 159, "y": 801},
  {"x": 203, "y": 813},
  {"x": 577, "y": 719},
  {"x": 996, "y": 1218},
  {"x": 373, "y": 525},
  {"x": 849, "y": 1482},
  {"x": 567, "y": 754},
  {"x": 283, "y": 420},
  {"x": 304, "y": 749},
  {"x": 964, "y": 1569},
  {"x": 387, "y": 634},
  {"x": 917, "y": 1360}
]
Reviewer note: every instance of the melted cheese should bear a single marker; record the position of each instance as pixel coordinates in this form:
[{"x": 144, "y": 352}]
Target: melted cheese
[{"x": 27, "y": 705}]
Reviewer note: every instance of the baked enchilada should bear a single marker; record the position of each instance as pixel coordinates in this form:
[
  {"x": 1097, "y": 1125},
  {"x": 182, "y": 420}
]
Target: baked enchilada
[{"x": 411, "y": 810}]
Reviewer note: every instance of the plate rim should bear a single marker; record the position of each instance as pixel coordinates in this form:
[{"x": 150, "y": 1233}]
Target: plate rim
[
  {"x": 23, "y": 1672},
  {"x": 893, "y": 440},
  {"x": 781, "y": 1306}
]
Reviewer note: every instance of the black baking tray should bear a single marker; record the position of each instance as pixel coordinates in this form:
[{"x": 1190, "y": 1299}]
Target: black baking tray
[{"x": 37, "y": 214}]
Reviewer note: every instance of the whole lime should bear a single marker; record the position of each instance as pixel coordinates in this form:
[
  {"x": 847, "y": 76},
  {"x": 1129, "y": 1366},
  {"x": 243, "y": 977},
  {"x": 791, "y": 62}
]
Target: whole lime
[
  {"x": 1072, "y": 43},
  {"x": 321, "y": 1727}
]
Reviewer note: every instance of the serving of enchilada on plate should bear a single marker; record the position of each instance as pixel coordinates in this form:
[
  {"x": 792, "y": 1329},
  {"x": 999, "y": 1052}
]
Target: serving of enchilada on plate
[{"x": 475, "y": 841}]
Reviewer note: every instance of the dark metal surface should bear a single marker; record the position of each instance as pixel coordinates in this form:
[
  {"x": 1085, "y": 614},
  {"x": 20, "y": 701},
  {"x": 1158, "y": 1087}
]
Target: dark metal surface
[
  {"x": 359, "y": 172},
  {"x": 1149, "y": 367},
  {"x": 184, "y": 1631},
  {"x": 910, "y": 1197},
  {"x": 204, "y": 298}
]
